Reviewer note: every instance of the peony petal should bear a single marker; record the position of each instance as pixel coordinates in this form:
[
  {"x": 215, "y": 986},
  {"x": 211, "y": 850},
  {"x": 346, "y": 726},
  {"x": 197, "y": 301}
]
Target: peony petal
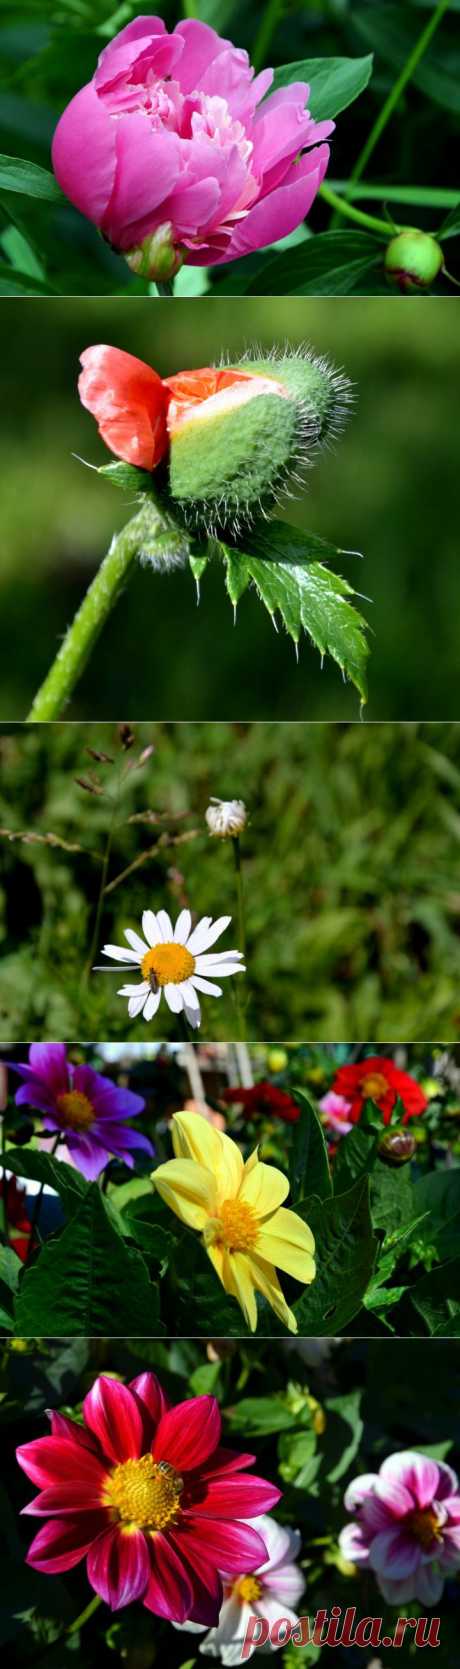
[
  {"x": 189, "y": 1433},
  {"x": 89, "y": 188},
  {"x": 148, "y": 164},
  {"x": 118, "y": 1566},
  {"x": 274, "y": 216},
  {"x": 112, "y": 1413}
]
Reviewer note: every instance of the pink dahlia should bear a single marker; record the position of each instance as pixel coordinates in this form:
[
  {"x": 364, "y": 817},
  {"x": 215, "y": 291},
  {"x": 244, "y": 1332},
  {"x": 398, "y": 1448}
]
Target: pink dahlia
[
  {"x": 406, "y": 1527},
  {"x": 145, "y": 1492},
  {"x": 336, "y": 1113},
  {"x": 170, "y": 151},
  {"x": 87, "y": 1109}
]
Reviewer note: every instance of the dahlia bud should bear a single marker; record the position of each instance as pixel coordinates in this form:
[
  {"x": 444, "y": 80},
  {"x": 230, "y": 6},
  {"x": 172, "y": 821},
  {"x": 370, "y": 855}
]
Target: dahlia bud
[
  {"x": 157, "y": 257},
  {"x": 397, "y": 1147},
  {"x": 226, "y": 818},
  {"x": 239, "y": 435},
  {"x": 413, "y": 260}
]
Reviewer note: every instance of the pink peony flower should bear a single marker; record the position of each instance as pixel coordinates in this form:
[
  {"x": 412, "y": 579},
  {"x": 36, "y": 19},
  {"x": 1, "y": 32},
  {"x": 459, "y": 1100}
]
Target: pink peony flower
[
  {"x": 335, "y": 1110},
  {"x": 269, "y": 1592},
  {"x": 145, "y": 1492},
  {"x": 170, "y": 151},
  {"x": 407, "y": 1526}
]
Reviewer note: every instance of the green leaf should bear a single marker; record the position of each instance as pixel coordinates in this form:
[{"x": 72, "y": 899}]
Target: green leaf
[
  {"x": 451, "y": 226},
  {"x": 17, "y": 174},
  {"x": 332, "y": 263},
  {"x": 393, "y": 31},
  {"x": 127, "y": 476},
  {"x": 309, "y": 1164},
  {"x": 258, "y": 1416},
  {"x": 304, "y": 592},
  {"x": 346, "y": 1408},
  {"x": 437, "y": 1299},
  {"x": 438, "y": 1194},
  {"x": 392, "y": 1198},
  {"x": 345, "y": 1253},
  {"x": 334, "y": 82},
  {"x": 10, "y": 1270},
  {"x": 37, "y": 1166},
  {"x": 88, "y": 1282},
  {"x": 355, "y": 1157},
  {"x": 13, "y": 283}
]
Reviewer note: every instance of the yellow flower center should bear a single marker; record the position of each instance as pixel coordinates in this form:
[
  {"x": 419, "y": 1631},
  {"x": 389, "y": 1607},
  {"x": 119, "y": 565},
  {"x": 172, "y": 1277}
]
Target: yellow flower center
[
  {"x": 144, "y": 1493},
  {"x": 248, "y": 1589},
  {"x": 76, "y": 1110},
  {"x": 425, "y": 1526},
  {"x": 236, "y": 1227},
  {"x": 167, "y": 965},
  {"x": 374, "y": 1085}
]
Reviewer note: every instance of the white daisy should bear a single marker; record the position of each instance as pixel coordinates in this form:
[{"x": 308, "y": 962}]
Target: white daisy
[{"x": 175, "y": 961}]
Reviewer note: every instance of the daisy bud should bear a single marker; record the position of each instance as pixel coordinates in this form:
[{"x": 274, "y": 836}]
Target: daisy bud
[
  {"x": 413, "y": 260},
  {"x": 239, "y": 435},
  {"x": 397, "y": 1147},
  {"x": 226, "y": 818}
]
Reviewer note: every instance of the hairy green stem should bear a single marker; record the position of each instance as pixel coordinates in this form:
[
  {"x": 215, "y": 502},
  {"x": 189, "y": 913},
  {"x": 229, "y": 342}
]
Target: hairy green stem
[
  {"x": 358, "y": 216},
  {"x": 272, "y": 15},
  {"x": 103, "y": 593},
  {"x": 395, "y": 94}
]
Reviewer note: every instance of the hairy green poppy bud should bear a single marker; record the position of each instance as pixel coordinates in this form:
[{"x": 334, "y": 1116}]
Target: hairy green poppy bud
[
  {"x": 413, "y": 260},
  {"x": 397, "y": 1147},
  {"x": 236, "y": 449}
]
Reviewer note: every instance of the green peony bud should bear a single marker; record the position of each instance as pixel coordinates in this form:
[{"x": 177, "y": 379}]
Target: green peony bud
[
  {"x": 156, "y": 258},
  {"x": 233, "y": 454},
  {"x": 413, "y": 260}
]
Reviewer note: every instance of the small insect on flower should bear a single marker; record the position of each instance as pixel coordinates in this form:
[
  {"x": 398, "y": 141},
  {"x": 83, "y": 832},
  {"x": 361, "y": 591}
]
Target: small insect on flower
[
  {"x": 237, "y": 1208},
  {"x": 176, "y": 961},
  {"x": 226, "y": 818}
]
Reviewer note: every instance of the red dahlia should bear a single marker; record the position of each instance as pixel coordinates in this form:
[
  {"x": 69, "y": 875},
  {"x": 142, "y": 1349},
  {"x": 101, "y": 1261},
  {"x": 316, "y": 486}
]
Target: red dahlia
[
  {"x": 264, "y": 1098},
  {"x": 379, "y": 1080},
  {"x": 145, "y": 1492}
]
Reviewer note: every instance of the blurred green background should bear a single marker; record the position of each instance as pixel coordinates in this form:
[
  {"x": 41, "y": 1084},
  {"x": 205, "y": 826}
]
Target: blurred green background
[
  {"x": 388, "y": 489},
  {"x": 350, "y": 860}
]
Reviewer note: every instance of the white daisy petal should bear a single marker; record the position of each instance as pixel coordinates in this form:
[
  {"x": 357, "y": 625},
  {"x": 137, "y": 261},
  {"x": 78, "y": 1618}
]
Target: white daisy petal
[
  {"x": 217, "y": 959},
  {"x": 193, "y": 1015},
  {"x": 206, "y": 986},
  {"x": 165, "y": 926},
  {"x": 189, "y": 994},
  {"x": 152, "y": 1003},
  {"x": 206, "y": 933},
  {"x": 135, "y": 1005},
  {"x": 136, "y": 942},
  {"x": 221, "y": 970},
  {"x": 150, "y": 927},
  {"x": 128, "y": 968},
  {"x": 182, "y": 927},
  {"x": 118, "y": 952},
  {"x": 134, "y": 990},
  {"x": 173, "y": 994}
]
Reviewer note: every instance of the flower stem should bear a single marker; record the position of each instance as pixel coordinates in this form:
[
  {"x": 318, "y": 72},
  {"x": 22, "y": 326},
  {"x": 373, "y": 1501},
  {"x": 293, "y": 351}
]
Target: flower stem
[
  {"x": 103, "y": 593},
  {"x": 241, "y": 914},
  {"x": 38, "y": 1203},
  {"x": 166, "y": 288},
  {"x": 395, "y": 93},
  {"x": 84, "y": 1615},
  {"x": 272, "y": 15},
  {"x": 383, "y": 228}
]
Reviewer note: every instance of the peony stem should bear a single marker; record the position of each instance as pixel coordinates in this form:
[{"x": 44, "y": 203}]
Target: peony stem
[
  {"x": 394, "y": 95},
  {"x": 271, "y": 18},
  {"x": 166, "y": 288},
  {"x": 382, "y": 227},
  {"x": 103, "y": 593}
]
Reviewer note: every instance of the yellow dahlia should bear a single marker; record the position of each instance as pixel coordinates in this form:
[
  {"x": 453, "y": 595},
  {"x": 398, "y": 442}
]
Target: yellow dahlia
[{"x": 237, "y": 1208}]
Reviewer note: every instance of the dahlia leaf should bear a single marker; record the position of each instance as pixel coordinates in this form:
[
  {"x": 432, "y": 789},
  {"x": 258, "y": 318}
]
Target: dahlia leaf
[
  {"x": 88, "y": 1281},
  {"x": 334, "y": 82},
  {"x": 18, "y": 174},
  {"x": 437, "y": 1299},
  {"x": 309, "y": 1165},
  {"x": 354, "y": 1158},
  {"x": 345, "y": 1254},
  {"x": 346, "y": 1410},
  {"x": 304, "y": 593}
]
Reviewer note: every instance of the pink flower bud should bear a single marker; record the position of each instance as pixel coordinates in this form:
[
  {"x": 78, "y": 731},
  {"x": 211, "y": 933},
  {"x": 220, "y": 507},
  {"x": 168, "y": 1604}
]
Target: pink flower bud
[{"x": 170, "y": 141}]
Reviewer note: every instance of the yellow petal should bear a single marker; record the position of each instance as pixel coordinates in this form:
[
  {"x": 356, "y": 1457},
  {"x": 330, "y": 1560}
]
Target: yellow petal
[
  {"x": 266, "y": 1281},
  {"x": 288, "y": 1242},
  {"x": 263, "y": 1188},
  {"x": 188, "y": 1189},
  {"x": 237, "y": 1280},
  {"x": 194, "y": 1138}
]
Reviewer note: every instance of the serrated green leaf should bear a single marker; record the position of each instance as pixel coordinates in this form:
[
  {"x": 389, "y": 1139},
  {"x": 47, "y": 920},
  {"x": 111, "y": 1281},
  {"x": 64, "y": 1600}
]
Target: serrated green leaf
[
  {"x": 309, "y": 1164},
  {"x": 37, "y": 1166},
  {"x": 334, "y": 82},
  {"x": 305, "y": 593},
  {"x": 437, "y": 1299},
  {"x": 88, "y": 1282},
  {"x": 17, "y": 174},
  {"x": 345, "y": 1254},
  {"x": 331, "y": 263},
  {"x": 258, "y": 1415},
  {"x": 355, "y": 1157}
]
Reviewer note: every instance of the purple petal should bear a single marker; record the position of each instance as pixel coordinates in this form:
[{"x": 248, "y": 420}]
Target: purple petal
[{"x": 394, "y": 1554}]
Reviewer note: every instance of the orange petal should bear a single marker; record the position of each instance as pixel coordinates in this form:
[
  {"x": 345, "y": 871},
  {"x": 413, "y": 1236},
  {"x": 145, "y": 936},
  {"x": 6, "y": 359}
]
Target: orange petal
[
  {"x": 129, "y": 401},
  {"x": 191, "y": 388}
]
